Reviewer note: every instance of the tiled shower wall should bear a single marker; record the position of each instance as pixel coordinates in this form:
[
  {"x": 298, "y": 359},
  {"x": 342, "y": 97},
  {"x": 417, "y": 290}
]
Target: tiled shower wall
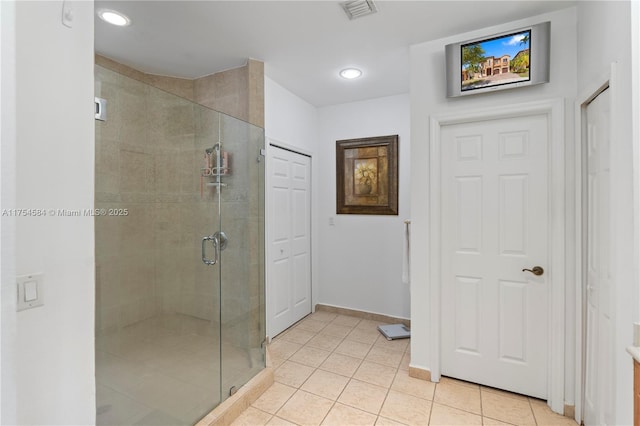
[
  {"x": 238, "y": 92},
  {"x": 147, "y": 163},
  {"x": 148, "y": 157}
]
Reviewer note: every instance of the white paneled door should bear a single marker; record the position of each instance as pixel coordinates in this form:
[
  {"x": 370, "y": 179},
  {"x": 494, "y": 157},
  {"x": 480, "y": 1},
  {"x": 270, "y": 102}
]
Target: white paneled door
[
  {"x": 598, "y": 389},
  {"x": 495, "y": 216},
  {"x": 289, "y": 246}
]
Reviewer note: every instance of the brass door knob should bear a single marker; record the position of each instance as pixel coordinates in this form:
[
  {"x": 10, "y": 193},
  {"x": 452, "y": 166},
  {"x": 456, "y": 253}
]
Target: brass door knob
[{"x": 537, "y": 270}]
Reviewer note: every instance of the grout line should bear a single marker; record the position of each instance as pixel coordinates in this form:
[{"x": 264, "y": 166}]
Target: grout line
[
  {"x": 361, "y": 360},
  {"x": 533, "y": 413},
  {"x": 481, "y": 408}
]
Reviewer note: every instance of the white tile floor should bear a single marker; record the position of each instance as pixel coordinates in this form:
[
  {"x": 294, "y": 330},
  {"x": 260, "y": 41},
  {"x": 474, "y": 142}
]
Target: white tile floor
[{"x": 338, "y": 370}]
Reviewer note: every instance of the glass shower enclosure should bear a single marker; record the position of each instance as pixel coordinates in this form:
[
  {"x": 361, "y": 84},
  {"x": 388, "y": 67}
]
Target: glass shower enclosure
[{"x": 179, "y": 255}]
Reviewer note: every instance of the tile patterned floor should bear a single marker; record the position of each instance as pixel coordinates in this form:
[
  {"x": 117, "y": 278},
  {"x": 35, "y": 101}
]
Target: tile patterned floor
[{"x": 338, "y": 370}]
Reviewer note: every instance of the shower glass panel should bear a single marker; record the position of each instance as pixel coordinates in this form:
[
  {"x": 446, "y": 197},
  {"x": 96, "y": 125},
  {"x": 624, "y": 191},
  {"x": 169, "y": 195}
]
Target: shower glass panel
[{"x": 179, "y": 255}]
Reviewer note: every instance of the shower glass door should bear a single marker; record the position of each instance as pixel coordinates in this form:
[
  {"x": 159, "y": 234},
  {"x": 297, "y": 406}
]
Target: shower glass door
[
  {"x": 242, "y": 310},
  {"x": 179, "y": 308},
  {"x": 232, "y": 186}
]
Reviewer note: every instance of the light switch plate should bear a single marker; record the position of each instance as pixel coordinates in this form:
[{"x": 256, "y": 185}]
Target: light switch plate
[{"x": 30, "y": 291}]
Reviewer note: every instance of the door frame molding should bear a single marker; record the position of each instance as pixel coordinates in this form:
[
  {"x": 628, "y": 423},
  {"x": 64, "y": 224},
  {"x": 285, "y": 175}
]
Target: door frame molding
[
  {"x": 554, "y": 110},
  {"x": 606, "y": 81},
  {"x": 269, "y": 144}
]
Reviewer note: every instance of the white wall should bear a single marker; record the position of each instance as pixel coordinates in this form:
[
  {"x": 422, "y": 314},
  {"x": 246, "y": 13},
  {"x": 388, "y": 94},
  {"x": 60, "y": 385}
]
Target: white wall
[
  {"x": 357, "y": 263},
  {"x": 292, "y": 123},
  {"x": 635, "y": 139},
  {"x": 635, "y": 82},
  {"x": 428, "y": 98},
  {"x": 7, "y": 223},
  {"x": 604, "y": 36},
  {"x": 55, "y": 170},
  {"x": 361, "y": 255},
  {"x": 289, "y": 119}
]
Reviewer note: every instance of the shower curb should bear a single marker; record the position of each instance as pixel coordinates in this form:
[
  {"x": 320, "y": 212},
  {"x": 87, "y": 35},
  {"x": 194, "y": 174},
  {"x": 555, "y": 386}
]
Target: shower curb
[{"x": 225, "y": 413}]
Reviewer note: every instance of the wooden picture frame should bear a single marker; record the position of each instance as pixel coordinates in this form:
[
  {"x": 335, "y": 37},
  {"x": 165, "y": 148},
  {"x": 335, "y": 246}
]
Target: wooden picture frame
[{"x": 367, "y": 176}]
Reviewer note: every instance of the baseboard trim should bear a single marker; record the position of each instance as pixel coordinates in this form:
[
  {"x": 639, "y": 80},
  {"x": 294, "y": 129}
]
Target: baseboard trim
[
  {"x": 420, "y": 373},
  {"x": 570, "y": 411},
  {"x": 382, "y": 318}
]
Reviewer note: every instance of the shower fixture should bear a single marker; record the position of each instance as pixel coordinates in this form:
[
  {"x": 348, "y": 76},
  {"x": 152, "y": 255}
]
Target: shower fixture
[{"x": 216, "y": 165}]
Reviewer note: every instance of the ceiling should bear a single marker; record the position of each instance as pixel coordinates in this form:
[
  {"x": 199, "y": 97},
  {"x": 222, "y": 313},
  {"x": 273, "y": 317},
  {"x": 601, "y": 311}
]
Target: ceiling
[{"x": 304, "y": 44}]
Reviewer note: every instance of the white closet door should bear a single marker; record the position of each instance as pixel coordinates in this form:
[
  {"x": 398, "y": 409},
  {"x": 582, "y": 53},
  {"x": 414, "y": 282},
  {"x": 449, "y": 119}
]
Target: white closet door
[
  {"x": 289, "y": 249},
  {"x": 598, "y": 388}
]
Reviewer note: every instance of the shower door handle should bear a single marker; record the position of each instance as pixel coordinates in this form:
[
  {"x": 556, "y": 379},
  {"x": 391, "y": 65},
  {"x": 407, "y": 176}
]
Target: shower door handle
[{"x": 214, "y": 240}]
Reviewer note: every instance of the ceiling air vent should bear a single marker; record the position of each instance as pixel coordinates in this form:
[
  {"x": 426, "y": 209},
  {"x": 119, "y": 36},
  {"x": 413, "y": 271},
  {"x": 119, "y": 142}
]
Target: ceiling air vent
[{"x": 358, "y": 8}]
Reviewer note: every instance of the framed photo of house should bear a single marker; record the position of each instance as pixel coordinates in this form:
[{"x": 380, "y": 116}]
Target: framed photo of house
[{"x": 367, "y": 176}]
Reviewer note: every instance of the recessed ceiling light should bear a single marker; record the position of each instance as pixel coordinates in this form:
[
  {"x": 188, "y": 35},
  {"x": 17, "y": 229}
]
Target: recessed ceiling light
[
  {"x": 113, "y": 17},
  {"x": 350, "y": 73}
]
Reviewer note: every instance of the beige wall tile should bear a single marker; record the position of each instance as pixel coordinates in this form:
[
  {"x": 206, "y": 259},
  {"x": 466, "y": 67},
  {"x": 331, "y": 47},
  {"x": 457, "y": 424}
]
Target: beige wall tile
[
  {"x": 178, "y": 86},
  {"x": 134, "y": 169},
  {"x": 256, "y": 92},
  {"x": 226, "y": 91}
]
